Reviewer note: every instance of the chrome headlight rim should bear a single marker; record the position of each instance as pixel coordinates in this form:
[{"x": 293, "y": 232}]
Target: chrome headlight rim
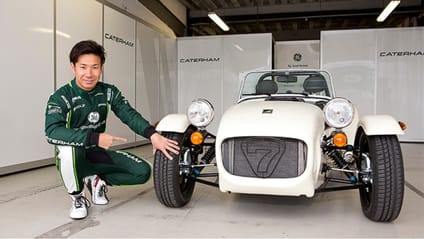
[
  {"x": 200, "y": 112},
  {"x": 339, "y": 112}
]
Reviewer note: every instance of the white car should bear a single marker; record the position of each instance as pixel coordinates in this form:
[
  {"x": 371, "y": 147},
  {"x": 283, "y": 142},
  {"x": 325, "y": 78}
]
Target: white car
[{"x": 287, "y": 135}]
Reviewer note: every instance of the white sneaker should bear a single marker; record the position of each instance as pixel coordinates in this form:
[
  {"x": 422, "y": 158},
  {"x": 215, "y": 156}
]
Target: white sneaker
[
  {"x": 79, "y": 206},
  {"x": 97, "y": 188}
]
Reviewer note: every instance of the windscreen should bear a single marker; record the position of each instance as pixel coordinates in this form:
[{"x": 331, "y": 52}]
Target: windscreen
[{"x": 311, "y": 83}]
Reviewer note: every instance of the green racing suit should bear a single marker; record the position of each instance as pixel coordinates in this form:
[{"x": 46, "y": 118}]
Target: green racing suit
[{"x": 74, "y": 118}]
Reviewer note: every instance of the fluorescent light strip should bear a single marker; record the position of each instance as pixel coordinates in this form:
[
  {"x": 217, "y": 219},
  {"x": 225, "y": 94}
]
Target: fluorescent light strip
[
  {"x": 218, "y": 21},
  {"x": 386, "y": 12}
]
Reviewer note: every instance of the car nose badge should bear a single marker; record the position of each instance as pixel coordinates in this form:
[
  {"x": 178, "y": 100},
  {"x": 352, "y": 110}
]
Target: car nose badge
[{"x": 267, "y": 111}]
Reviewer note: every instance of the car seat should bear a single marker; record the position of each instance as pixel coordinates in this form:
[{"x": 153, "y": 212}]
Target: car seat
[
  {"x": 314, "y": 84},
  {"x": 266, "y": 87}
]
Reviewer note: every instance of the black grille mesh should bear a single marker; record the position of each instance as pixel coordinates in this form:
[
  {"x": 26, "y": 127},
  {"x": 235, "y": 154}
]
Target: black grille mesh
[{"x": 264, "y": 157}]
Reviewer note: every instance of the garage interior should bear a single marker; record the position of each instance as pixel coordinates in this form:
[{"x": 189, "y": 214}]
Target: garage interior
[
  {"x": 34, "y": 202},
  {"x": 289, "y": 19}
]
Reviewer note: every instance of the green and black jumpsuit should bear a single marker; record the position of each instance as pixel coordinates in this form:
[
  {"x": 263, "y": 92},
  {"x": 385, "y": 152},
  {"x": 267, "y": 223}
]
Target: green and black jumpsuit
[{"x": 74, "y": 120}]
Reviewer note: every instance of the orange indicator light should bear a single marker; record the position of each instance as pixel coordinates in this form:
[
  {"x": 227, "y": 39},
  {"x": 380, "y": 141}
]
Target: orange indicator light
[
  {"x": 340, "y": 139},
  {"x": 196, "y": 138}
]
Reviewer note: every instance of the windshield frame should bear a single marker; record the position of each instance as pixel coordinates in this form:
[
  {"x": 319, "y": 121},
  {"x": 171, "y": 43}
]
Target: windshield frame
[{"x": 252, "y": 78}]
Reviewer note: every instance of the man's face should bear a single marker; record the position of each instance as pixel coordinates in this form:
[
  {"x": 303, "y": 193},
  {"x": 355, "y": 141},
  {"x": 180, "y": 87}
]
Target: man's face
[{"x": 87, "y": 71}]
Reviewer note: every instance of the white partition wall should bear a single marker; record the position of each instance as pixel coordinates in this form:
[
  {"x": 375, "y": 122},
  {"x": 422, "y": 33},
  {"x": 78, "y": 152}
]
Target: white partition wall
[
  {"x": 400, "y": 78},
  {"x": 297, "y": 54},
  {"x": 381, "y": 71},
  {"x": 200, "y": 72},
  {"x": 242, "y": 54},
  {"x": 168, "y": 95},
  {"x": 148, "y": 76},
  {"x": 211, "y": 68},
  {"x": 156, "y": 81},
  {"x": 71, "y": 15},
  {"x": 349, "y": 57},
  {"x": 27, "y": 79},
  {"x": 119, "y": 69}
]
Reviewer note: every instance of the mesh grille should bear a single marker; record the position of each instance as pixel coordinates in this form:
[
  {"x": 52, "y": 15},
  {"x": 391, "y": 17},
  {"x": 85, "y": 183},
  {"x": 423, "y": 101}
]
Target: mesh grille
[{"x": 264, "y": 157}]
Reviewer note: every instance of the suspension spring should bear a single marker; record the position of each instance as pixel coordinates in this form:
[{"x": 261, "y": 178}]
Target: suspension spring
[
  {"x": 209, "y": 155},
  {"x": 206, "y": 159},
  {"x": 336, "y": 156}
]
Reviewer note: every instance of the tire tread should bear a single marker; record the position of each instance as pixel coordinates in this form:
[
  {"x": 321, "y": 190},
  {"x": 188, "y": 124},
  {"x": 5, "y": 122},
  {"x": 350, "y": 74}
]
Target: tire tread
[{"x": 388, "y": 179}]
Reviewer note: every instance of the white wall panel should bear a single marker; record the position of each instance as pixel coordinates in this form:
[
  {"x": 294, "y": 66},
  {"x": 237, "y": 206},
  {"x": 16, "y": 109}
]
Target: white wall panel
[
  {"x": 350, "y": 58},
  {"x": 168, "y": 101},
  {"x": 212, "y": 67},
  {"x": 381, "y": 71},
  {"x": 147, "y": 76},
  {"x": 200, "y": 72},
  {"x": 26, "y": 66},
  {"x": 242, "y": 54},
  {"x": 76, "y": 20},
  {"x": 297, "y": 54},
  {"x": 400, "y": 74},
  {"x": 119, "y": 43}
]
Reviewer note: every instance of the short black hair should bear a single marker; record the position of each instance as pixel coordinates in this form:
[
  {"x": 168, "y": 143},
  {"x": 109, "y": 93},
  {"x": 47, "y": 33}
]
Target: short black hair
[{"x": 87, "y": 47}]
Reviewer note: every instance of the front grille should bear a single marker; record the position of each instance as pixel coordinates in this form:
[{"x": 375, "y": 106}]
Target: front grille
[{"x": 264, "y": 157}]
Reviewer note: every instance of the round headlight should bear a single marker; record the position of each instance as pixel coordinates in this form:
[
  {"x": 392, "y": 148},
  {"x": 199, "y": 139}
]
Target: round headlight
[
  {"x": 200, "y": 113},
  {"x": 338, "y": 113}
]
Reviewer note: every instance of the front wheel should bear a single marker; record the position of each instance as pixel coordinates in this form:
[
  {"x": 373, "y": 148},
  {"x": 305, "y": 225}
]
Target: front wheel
[
  {"x": 173, "y": 187},
  {"x": 381, "y": 166}
]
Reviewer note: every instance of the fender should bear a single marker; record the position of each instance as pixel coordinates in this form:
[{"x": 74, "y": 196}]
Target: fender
[
  {"x": 173, "y": 123},
  {"x": 380, "y": 125}
]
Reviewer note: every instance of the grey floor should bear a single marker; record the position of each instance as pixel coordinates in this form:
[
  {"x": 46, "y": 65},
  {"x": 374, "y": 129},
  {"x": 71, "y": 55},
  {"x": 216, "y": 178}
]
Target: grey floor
[{"x": 34, "y": 204}]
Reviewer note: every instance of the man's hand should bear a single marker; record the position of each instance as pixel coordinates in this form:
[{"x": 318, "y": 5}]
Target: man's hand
[
  {"x": 164, "y": 144},
  {"x": 106, "y": 140}
]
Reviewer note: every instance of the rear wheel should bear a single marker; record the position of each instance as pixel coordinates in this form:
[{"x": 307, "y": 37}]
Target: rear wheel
[
  {"x": 172, "y": 185},
  {"x": 381, "y": 168}
]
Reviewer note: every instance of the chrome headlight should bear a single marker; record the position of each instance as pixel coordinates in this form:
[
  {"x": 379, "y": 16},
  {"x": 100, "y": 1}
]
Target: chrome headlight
[
  {"x": 338, "y": 113},
  {"x": 200, "y": 113}
]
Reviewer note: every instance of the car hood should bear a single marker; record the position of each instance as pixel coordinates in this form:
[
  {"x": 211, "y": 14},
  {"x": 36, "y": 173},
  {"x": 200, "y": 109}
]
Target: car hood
[{"x": 272, "y": 118}]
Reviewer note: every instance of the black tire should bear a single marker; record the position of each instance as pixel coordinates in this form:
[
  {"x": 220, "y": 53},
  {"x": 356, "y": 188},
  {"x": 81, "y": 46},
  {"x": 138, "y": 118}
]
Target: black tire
[
  {"x": 382, "y": 200},
  {"x": 172, "y": 188}
]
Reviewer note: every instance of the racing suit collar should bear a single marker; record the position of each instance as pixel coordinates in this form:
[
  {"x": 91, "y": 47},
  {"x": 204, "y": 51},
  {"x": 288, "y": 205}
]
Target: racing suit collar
[{"x": 81, "y": 91}]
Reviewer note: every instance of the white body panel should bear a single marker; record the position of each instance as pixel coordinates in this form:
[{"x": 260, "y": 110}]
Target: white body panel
[
  {"x": 380, "y": 125},
  {"x": 173, "y": 123},
  {"x": 295, "y": 120}
]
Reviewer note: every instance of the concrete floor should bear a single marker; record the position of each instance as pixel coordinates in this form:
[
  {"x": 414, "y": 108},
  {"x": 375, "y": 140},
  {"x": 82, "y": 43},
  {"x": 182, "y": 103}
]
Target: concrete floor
[{"x": 34, "y": 204}]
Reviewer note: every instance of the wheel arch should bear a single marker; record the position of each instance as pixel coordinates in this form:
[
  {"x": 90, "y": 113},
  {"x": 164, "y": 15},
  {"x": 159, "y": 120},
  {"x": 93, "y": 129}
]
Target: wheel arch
[
  {"x": 379, "y": 125},
  {"x": 173, "y": 123}
]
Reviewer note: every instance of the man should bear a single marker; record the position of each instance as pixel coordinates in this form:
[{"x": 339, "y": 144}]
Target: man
[{"x": 75, "y": 122}]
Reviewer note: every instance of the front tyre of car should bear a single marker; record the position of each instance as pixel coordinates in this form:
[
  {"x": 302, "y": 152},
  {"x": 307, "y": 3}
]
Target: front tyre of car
[
  {"x": 173, "y": 188},
  {"x": 381, "y": 165}
]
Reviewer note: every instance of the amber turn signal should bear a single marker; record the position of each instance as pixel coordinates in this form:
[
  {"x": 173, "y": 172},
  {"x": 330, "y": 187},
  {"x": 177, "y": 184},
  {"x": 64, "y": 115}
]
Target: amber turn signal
[
  {"x": 340, "y": 139},
  {"x": 196, "y": 138},
  {"x": 402, "y": 125}
]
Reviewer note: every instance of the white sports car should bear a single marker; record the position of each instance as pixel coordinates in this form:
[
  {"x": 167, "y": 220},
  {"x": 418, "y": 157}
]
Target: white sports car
[{"x": 287, "y": 135}]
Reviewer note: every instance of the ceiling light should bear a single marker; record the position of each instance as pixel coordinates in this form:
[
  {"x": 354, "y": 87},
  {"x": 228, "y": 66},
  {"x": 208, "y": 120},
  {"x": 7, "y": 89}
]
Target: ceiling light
[
  {"x": 218, "y": 21},
  {"x": 386, "y": 12}
]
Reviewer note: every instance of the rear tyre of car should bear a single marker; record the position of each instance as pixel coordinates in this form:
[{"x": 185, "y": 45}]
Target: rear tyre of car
[
  {"x": 381, "y": 157},
  {"x": 173, "y": 189}
]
